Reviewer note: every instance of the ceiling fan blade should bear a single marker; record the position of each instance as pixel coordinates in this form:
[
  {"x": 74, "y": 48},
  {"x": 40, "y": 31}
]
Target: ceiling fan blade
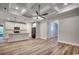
[
  {"x": 36, "y": 12},
  {"x": 43, "y": 17},
  {"x": 44, "y": 14},
  {"x": 39, "y": 9}
]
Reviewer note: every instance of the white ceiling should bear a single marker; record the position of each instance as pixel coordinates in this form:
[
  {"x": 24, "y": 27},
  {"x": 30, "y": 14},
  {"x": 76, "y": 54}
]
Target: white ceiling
[{"x": 28, "y": 10}]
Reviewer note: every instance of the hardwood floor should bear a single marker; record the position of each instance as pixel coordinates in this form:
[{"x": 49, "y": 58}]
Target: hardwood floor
[{"x": 38, "y": 47}]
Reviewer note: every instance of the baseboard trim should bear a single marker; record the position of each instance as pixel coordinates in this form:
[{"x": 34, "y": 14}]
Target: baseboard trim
[
  {"x": 43, "y": 38},
  {"x": 74, "y": 44},
  {"x": 51, "y": 37}
]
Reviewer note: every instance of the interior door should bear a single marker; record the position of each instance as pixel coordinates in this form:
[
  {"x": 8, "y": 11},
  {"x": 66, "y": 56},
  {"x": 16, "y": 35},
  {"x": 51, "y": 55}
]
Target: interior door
[{"x": 33, "y": 32}]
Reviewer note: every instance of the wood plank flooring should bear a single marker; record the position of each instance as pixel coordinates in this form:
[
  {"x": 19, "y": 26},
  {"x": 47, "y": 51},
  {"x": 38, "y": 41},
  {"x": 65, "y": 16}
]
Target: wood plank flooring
[{"x": 38, "y": 47}]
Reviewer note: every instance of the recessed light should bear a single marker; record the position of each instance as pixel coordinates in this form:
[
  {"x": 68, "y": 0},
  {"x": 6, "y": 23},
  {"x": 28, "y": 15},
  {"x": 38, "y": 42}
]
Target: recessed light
[
  {"x": 23, "y": 10},
  {"x": 8, "y": 18},
  {"x": 65, "y": 3},
  {"x": 16, "y": 7}
]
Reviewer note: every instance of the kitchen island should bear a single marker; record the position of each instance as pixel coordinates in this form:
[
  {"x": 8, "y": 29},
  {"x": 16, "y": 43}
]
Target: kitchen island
[{"x": 18, "y": 36}]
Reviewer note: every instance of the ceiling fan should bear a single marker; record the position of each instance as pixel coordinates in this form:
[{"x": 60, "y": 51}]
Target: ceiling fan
[{"x": 40, "y": 15}]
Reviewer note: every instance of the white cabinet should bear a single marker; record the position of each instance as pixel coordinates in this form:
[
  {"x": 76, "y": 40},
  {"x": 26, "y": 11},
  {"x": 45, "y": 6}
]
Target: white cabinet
[{"x": 10, "y": 26}]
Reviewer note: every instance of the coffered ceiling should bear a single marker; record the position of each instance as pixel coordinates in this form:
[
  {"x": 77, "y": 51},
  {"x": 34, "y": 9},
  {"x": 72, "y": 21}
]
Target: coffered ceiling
[{"x": 28, "y": 10}]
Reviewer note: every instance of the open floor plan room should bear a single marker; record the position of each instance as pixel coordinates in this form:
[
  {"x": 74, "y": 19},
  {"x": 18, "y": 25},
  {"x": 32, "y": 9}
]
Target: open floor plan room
[{"x": 39, "y": 28}]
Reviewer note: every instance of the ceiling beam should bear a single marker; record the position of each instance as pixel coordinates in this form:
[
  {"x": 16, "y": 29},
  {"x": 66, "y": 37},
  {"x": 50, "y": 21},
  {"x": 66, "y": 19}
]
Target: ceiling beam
[
  {"x": 28, "y": 8},
  {"x": 68, "y": 8},
  {"x": 16, "y": 21},
  {"x": 44, "y": 9},
  {"x": 65, "y": 10}
]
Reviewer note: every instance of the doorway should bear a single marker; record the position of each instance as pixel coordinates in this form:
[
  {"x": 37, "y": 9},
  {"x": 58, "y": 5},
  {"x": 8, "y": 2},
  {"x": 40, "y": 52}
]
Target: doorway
[
  {"x": 54, "y": 29},
  {"x": 34, "y": 30}
]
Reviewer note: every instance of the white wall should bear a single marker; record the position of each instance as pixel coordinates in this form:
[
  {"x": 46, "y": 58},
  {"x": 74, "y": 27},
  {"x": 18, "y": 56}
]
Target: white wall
[
  {"x": 37, "y": 29},
  {"x": 29, "y": 28},
  {"x": 43, "y": 30},
  {"x": 69, "y": 30}
]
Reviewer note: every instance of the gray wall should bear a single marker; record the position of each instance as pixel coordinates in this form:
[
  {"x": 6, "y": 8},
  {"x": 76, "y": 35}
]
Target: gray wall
[
  {"x": 1, "y": 21},
  {"x": 69, "y": 30}
]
